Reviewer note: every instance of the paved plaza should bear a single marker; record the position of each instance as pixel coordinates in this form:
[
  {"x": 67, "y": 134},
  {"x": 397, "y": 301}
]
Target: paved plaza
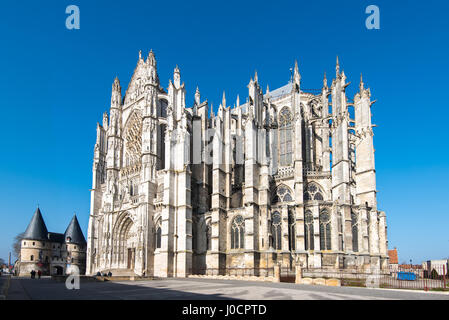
[{"x": 200, "y": 289}]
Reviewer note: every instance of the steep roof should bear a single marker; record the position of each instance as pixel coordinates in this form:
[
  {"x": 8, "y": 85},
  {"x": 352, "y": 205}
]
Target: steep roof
[
  {"x": 37, "y": 230},
  {"x": 74, "y": 232},
  {"x": 56, "y": 237}
]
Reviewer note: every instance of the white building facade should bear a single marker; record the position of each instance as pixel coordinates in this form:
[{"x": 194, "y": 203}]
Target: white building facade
[{"x": 288, "y": 177}]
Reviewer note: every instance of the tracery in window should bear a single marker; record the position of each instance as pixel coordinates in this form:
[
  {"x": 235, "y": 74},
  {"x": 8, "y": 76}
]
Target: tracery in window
[
  {"x": 308, "y": 231},
  {"x": 208, "y": 235},
  {"x": 355, "y": 232},
  {"x": 159, "y": 235},
  {"x": 325, "y": 231},
  {"x": 313, "y": 192},
  {"x": 276, "y": 230},
  {"x": 282, "y": 194},
  {"x": 238, "y": 233},
  {"x": 291, "y": 231},
  {"x": 285, "y": 137}
]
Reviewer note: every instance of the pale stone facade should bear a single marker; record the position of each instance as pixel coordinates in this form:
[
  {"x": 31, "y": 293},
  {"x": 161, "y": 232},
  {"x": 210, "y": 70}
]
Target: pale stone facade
[
  {"x": 280, "y": 179},
  {"x": 52, "y": 253}
]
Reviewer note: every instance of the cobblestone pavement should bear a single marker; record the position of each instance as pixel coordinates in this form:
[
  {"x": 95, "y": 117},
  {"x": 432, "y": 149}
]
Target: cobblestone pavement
[{"x": 200, "y": 289}]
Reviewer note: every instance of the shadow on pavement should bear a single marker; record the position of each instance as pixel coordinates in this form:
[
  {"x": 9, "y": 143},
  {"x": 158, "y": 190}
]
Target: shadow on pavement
[{"x": 47, "y": 289}]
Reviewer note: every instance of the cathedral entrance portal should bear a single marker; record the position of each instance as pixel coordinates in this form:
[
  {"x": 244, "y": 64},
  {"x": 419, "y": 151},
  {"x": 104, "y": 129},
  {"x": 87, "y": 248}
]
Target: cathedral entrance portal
[
  {"x": 131, "y": 258},
  {"x": 125, "y": 243}
]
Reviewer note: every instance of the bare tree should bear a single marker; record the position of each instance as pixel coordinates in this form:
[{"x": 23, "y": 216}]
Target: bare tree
[{"x": 17, "y": 244}]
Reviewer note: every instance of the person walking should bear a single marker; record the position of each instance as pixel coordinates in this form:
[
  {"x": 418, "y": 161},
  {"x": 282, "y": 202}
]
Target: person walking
[
  {"x": 39, "y": 274},
  {"x": 33, "y": 274}
]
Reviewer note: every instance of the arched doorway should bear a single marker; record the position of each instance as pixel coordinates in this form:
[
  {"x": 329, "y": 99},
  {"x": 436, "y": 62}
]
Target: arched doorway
[
  {"x": 125, "y": 244},
  {"x": 57, "y": 270}
]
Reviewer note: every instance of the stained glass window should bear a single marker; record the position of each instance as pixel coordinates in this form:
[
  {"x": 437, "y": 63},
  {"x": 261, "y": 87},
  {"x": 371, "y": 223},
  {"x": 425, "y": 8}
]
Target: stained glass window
[
  {"x": 325, "y": 231},
  {"x": 355, "y": 233},
  {"x": 276, "y": 230},
  {"x": 238, "y": 233},
  {"x": 283, "y": 194},
  {"x": 308, "y": 231},
  {"x": 313, "y": 193},
  {"x": 291, "y": 231},
  {"x": 285, "y": 137},
  {"x": 208, "y": 236}
]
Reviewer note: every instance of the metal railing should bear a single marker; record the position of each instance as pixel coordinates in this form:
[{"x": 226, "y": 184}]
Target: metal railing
[
  {"x": 413, "y": 277},
  {"x": 242, "y": 272}
]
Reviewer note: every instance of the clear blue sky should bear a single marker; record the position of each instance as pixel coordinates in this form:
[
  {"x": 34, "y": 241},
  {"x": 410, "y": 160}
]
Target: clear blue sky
[{"x": 55, "y": 84}]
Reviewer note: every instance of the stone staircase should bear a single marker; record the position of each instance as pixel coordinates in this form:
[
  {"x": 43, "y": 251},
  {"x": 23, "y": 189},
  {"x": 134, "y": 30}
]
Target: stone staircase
[
  {"x": 121, "y": 272},
  {"x": 119, "y": 275}
]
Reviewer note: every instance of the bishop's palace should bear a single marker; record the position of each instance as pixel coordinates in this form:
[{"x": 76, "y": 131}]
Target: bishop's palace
[{"x": 286, "y": 178}]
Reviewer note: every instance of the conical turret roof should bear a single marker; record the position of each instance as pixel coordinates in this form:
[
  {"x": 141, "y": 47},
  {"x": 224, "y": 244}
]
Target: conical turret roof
[
  {"x": 37, "y": 230},
  {"x": 74, "y": 232}
]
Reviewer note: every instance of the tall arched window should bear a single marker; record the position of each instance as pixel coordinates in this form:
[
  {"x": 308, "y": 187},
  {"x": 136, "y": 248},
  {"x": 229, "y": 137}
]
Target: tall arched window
[
  {"x": 291, "y": 231},
  {"x": 308, "y": 231},
  {"x": 325, "y": 231},
  {"x": 158, "y": 235},
  {"x": 238, "y": 233},
  {"x": 355, "y": 232},
  {"x": 208, "y": 235},
  {"x": 313, "y": 192},
  {"x": 282, "y": 194},
  {"x": 340, "y": 231},
  {"x": 276, "y": 230},
  {"x": 285, "y": 137}
]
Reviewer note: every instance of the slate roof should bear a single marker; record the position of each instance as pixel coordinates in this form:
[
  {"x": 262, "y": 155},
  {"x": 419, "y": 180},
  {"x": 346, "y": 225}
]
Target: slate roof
[
  {"x": 280, "y": 92},
  {"x": 56, "y": 237},
  {"x": 37, "y": 230},
  {"x": 74, "y": 232}
]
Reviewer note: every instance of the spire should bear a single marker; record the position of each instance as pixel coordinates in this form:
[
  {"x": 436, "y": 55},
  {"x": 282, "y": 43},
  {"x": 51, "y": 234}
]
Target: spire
[
  {"x": 325, "y": 81},
  {"x": 116, "y": 95},
  {"x": 212, "y": 115},
  {"x": 37, "y": 230},
  {"x": 74, "y": 232},
  {"x": 362, "y": 85},
  {"x": 116, "y": 83},
  {"x": 197, "y": 96},
  {"x": 177, "y": 77},
  {"x": 337, "y": 67},
  {"x": 151, "y": 58},
  {"x": 268, "y": 91},
  {"x": 256, "y": 78},
  {"x": 223, "y": 101},
  {"x": 238, "y": 101},
  {"x": 297, "y": 77},
  {"x": 296, "y": 67},
  {"x": 140, "y": 54}
]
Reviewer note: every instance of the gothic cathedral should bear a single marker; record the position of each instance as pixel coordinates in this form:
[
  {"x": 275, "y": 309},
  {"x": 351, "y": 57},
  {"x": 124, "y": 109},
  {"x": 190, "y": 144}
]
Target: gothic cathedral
[{"x": 288, "y": 178}]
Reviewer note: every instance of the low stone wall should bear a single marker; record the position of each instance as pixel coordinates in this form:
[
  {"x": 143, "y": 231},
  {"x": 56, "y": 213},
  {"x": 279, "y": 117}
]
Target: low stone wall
[
  {"x": 320, "y": 282},
  {"x": 242, "y": 278}
]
